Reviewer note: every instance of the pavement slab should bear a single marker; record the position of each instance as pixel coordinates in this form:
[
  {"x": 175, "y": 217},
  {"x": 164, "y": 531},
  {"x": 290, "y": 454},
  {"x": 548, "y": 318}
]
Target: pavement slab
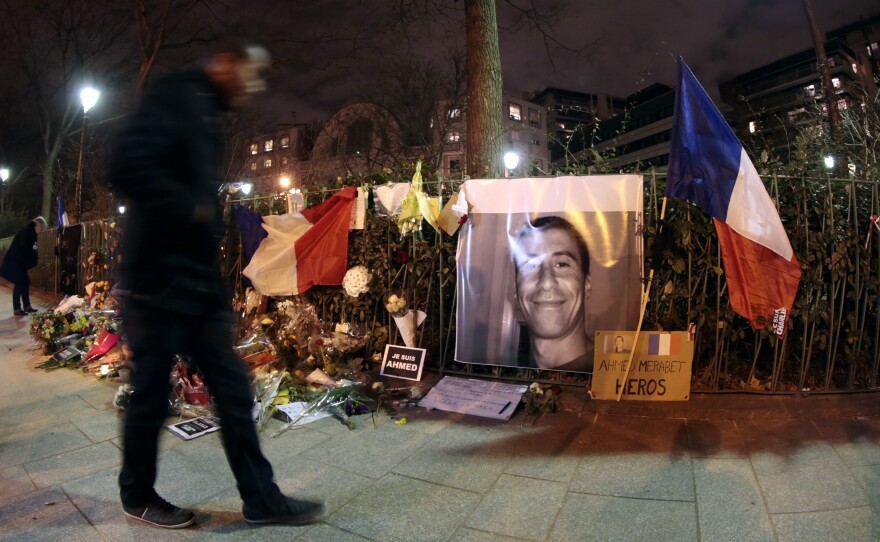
[
  {"x": 729, "y": 502},
  {"x": 399, "y": 508},
  {"x": 847, "y": 525},
  {"x": 37, "y": 443},
  {"x": 44, "y": 515},
  {"x": 57, "y": 469},
  {"x": 521, "y": 507},
  {"x": 588, "y": 518},
  {"x": 15, "y": 482}
]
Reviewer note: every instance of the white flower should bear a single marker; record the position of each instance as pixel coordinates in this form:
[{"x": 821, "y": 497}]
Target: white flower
[
  {"x": 536, "y": 389},
  {"x": 356, "y": 281}
]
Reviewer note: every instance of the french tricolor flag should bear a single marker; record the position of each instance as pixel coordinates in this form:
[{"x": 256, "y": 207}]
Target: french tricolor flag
[
  {"x": 708, "y": 165},
  {"x": 303, "y": 249}
]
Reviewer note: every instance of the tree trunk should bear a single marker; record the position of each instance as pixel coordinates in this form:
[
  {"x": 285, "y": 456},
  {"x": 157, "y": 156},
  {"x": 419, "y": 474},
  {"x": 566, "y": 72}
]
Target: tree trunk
[
  {"x": 484, "y": 90},
  {"x": 825, "y": 74}
]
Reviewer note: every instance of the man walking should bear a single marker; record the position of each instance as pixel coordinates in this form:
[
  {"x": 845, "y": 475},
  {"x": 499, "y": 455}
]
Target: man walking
[
  {"x": 22, "y": 256},
  {"x": 166, "y": 163}
]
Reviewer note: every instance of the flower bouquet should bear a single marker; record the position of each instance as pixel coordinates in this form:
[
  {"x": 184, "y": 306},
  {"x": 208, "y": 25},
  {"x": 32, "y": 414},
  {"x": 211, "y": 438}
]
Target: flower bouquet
[
  {"x": 356, "y": 281},
  {"x": 407, "y": 320}
]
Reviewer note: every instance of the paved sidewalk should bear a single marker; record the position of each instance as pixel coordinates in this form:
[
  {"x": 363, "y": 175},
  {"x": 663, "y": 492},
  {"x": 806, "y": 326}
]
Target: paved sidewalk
[{"x": 719, "y": 467}]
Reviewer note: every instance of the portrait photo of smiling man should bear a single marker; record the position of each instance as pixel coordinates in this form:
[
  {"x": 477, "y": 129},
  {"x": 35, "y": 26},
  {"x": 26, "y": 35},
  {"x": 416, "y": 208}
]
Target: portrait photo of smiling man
[
  {"x": 552, "y": 266},
  {"x": 544, "y": 263}
]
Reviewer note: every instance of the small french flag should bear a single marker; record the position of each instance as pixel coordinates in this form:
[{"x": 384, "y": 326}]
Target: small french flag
[{"x": 664, "y": 344}]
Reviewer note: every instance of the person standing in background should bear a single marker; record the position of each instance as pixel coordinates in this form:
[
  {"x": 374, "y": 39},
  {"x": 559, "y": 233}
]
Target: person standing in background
[{"x": 22, "y": 256}]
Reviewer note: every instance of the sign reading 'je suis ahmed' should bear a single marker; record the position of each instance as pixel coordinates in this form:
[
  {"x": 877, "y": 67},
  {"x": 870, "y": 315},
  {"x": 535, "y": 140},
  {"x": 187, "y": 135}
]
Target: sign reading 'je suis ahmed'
[{"x": 403, "y": 362}]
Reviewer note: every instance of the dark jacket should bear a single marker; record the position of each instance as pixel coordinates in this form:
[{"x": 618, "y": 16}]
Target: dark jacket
[
  {"x": 22, "y": 253},
  {"x": 166, "y": 162}
]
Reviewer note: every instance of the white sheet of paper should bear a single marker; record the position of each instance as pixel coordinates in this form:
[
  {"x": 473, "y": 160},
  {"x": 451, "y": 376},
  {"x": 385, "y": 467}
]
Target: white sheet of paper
[
  {"x": 476, "y": 397},
  {"x": 295, "y": 410},
  {"x": 359, "y": 211}
]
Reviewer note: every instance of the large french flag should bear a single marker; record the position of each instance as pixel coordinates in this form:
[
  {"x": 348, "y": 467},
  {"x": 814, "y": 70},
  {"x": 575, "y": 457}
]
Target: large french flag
[
  {"x": 708, "y": 165},
  {"x": 303, "y": 249}
]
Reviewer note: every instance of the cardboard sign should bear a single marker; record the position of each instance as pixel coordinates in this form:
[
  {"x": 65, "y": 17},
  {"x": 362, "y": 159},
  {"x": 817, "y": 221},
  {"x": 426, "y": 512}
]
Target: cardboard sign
[
  {"x": 403, "y": 362},
  {"x": 661, "y": 369}
]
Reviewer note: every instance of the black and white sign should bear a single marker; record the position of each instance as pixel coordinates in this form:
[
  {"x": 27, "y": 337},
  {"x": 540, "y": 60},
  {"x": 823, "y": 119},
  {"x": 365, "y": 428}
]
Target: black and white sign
[
  {"x": 196, "y": 427},
  {"x": 67, "y": 354},
  {"x": 403, "y": 362}
]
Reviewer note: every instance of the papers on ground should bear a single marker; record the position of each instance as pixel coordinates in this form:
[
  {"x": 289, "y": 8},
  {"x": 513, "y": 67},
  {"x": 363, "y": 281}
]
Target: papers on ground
[{"x": 476, "y": 397}]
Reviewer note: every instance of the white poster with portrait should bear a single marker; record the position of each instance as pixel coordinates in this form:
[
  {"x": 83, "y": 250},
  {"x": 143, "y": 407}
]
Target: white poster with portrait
[{"x": 544, "y": 263}]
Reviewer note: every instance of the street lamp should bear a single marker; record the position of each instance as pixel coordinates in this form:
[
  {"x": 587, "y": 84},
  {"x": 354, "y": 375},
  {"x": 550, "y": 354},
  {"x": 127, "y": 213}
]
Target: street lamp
[
  {"x": 89, "y": 97},
  {"x": 511, "y": 160},
  {"x": 829, "y": 162},
  {"x": 121, "y": 209},
  {"x": 4, "y": 175},
  {"x": 246, "y": 188},
  {"x": 284, "y": 182}
]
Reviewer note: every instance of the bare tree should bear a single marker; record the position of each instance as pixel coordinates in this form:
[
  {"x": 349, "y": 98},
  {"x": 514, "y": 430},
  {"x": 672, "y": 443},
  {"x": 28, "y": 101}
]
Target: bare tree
[
  {"x": 56, "y": 45},
  {"x": 158, "y": 25}
]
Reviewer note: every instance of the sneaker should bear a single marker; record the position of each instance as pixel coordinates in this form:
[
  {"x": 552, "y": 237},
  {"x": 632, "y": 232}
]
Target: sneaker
[
  {"x": 30, "y": 309},
  {"x": 295, "y": 512},
  {"x": 19, "y": 312},
  {"x": 161, "y": 513}
]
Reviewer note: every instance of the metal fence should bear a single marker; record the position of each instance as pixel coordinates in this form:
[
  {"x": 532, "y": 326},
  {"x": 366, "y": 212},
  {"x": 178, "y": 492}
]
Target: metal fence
[{"x": 833, "y": 342}]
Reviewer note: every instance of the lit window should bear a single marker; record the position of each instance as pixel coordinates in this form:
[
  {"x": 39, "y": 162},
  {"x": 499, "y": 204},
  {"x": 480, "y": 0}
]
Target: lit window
[
  {"x": 253, "y": 166},
  {"x": 255, "y": 148},
  {"x": 842, "y": 105},
  {"x": 810, "y": 90},
  {"x": 285, "y": 142},
  {"x": 835, "y": 82},
  {"x": 515, "y": 111},
  {"x": 267, "y": 145},
  {"x": 753, "y": 127},
  {"x": 267, "y": 163},
  {"x": 454, "y": 113},
  {"x": 454, "y": 137},
  {"x": 855, "y": 68}
]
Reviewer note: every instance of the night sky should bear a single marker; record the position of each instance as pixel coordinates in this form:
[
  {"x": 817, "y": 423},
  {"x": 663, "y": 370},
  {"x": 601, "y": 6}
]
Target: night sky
[{"x": 626, "y": 45}]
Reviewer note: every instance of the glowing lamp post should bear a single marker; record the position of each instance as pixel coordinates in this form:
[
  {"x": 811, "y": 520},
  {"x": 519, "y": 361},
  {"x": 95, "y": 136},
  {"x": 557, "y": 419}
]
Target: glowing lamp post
[
  {"x": 511, "y": 160},
  {"x": 4, "y": 175},
  {"x": 89, "y": 97}
]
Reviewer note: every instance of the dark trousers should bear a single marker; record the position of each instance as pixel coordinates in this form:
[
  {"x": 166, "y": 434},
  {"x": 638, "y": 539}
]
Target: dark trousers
[
  {"x": 154, "y": 337},
  {"x": 21, "y": 295}
]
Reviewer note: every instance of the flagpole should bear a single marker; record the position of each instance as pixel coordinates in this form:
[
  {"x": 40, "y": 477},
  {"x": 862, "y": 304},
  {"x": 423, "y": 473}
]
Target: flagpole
[{"x": 645, "y": 297}]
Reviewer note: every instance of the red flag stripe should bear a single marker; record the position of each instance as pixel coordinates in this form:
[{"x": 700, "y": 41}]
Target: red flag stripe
[
  {"x": 759, "y": 281},
  {"x": 322, "y": 252}
]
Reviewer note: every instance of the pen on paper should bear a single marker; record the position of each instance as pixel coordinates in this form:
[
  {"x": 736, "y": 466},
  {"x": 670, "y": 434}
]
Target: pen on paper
[{"x": 504, "y": 407}]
